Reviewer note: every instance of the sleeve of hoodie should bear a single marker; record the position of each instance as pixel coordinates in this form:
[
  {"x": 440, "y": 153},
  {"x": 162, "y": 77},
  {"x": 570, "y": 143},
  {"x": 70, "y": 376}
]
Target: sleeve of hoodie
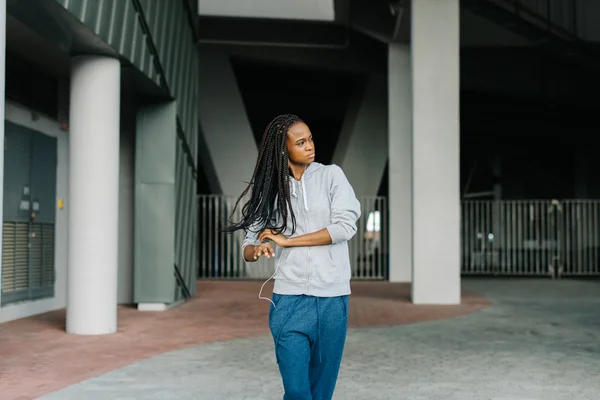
[
  {"x": 345, "y": 207},
  {"x": 251, "y": 237}
]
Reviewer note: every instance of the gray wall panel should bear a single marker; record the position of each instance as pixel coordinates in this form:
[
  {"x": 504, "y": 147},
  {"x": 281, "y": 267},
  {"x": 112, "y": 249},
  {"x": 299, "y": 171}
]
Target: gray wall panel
[
  {"x": 154, "y": 253},
  {"x": 155, "y": 203},
  {"x": 126, "y": 206},
  {"x": 43, "y": 177},
  {"x": 17, "y": 166},
  {"x": 156, "y": 145}
]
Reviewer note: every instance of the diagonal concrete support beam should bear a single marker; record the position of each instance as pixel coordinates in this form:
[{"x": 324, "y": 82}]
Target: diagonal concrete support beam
[
  {"x": 228, "y": 148},
  {"x": 362, "y": 147}
]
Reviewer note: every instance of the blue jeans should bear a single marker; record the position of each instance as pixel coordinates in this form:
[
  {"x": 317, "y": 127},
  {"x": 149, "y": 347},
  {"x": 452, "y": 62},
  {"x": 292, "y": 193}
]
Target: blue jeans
[{"x": 309, "y": 334}]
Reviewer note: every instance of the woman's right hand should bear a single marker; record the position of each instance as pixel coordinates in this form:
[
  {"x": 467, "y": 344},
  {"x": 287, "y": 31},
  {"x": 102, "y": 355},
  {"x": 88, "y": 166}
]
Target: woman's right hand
[{"x": 263, "y": 249}]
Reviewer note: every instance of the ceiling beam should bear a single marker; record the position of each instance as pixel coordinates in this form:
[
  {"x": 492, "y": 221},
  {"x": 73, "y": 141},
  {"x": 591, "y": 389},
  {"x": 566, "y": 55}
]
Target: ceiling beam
[{"x": 272, "y": 33}]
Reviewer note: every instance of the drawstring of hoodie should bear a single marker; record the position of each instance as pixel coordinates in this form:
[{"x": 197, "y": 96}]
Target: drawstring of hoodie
[
  {"x": 304, "y": 198},
  {"x": 304, "y": 192}
]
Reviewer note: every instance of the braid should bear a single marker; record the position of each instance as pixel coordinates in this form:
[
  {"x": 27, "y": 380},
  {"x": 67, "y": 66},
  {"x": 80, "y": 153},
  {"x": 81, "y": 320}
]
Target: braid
[{"x": 270, "y": 180}]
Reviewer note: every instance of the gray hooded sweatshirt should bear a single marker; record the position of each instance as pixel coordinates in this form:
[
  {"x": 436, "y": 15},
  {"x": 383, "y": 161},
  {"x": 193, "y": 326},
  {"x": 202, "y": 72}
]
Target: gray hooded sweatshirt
[{"x": 323, "y": 198}]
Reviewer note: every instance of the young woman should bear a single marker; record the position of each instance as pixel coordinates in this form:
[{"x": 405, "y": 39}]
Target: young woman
[{"x": 310, "y": 211}]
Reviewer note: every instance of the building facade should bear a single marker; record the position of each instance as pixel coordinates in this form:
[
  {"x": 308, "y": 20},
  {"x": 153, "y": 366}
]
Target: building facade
[{"x": 100, "y": 158}]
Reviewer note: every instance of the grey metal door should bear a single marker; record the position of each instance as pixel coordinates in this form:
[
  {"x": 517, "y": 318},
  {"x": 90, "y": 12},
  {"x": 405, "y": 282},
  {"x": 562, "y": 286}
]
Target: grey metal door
[{"x": 29, "y": 214}]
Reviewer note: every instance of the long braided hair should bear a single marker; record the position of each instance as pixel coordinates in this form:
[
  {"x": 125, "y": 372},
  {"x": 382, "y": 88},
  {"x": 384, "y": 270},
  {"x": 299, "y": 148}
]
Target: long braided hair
[{"x": 270, "y": 180}]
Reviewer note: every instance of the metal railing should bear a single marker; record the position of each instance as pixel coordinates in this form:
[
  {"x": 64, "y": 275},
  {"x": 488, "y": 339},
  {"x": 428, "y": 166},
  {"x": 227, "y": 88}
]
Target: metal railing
[
  {"x": 507, "y": 237},
  {"x": 221, "y": 256},
  {"x": 531, "y": 237},
  {"x": 580, "y": 237}
]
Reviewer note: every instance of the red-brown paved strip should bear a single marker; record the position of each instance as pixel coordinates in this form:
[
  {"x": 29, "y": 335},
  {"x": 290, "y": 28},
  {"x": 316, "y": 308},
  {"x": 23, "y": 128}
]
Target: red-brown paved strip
[{"x": 37, "y": 357}]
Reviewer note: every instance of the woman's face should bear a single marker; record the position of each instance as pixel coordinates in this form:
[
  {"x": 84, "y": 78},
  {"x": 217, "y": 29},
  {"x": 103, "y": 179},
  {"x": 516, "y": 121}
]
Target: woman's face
[{"x": 301, "y": 148}]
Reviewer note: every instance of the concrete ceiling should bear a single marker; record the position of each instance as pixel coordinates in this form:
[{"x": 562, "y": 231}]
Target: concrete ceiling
[
  {"x": 52, "y": 57},
  {"x": 34, "y": 48},
  {"x": 477, "y": 31},
  {"x": 312, "y": 10},
  {"x": 383, "y": 20}
]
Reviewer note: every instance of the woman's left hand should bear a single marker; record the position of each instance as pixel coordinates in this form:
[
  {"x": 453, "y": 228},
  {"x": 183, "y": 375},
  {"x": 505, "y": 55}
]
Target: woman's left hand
[{"x": 278, "y": 238}]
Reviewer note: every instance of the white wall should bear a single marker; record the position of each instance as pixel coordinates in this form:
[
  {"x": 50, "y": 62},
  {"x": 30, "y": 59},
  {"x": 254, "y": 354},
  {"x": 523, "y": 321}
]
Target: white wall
[
  {"x": 362, "y": 147},
  {"x": 285, "y": 9},
  {"x": 20, "y": 115},
  {"x": 225, "y": 126}
]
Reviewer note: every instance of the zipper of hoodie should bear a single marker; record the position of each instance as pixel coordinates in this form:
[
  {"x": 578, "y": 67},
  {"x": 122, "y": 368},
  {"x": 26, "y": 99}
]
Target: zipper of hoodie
[
  {"x": 303, "y": 210},
  {"x": 299, "y": 208},
  {"x": 309, "y": 260}
]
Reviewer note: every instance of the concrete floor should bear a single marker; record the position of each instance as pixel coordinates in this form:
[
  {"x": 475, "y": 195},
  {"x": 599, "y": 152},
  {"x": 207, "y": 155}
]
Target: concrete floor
[{"x": 540, "y": 340}]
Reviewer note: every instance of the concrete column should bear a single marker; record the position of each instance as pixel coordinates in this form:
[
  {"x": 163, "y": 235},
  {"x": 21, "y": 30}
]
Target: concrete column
[
  {"x": 436, "y": 141},
  {"x": 361, "y": 150},
  {"x": 400, "y": 167},
  {"x": 225, "y": 129},
  {"x": 2, "y": 102},
  {"x": 93, "y": 195}
]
